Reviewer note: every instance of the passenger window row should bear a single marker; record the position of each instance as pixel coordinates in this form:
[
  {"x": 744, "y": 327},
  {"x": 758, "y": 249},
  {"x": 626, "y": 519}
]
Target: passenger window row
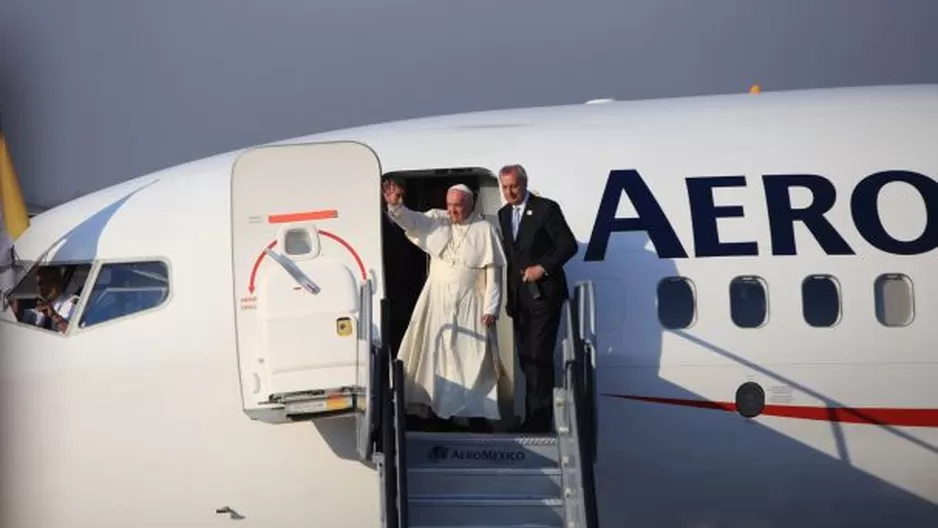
[{"x": 820, "y": 301}]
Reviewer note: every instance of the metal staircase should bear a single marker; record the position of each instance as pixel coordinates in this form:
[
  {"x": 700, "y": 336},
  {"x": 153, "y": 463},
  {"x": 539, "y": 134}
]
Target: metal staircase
[
  {"x": 492, "y": 480},
  {"x": 484, "y": 480}
]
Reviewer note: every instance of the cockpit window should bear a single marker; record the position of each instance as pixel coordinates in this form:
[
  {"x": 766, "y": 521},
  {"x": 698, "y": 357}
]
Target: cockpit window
[
  {"x": 48, "y": 297},
  {"x": 126, "y": 288}
]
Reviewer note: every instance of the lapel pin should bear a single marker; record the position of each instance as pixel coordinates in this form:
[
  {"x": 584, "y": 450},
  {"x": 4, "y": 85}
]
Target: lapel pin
[{"x": 528, "y": 212}]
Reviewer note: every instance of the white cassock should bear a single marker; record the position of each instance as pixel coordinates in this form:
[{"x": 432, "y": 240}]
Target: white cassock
[{"x": 449, "y": 355}]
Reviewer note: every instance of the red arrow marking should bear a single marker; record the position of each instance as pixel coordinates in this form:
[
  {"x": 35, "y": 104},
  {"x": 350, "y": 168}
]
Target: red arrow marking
[
  {"x": 340, "y": 240},
  {"x": 361, "y": 265}
]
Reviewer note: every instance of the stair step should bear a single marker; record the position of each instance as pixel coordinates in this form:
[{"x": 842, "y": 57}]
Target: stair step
[
  {"x": 467, "y": 450},
  {"x": 492, "y": 481},
  {"x": 491, "y": 511}
]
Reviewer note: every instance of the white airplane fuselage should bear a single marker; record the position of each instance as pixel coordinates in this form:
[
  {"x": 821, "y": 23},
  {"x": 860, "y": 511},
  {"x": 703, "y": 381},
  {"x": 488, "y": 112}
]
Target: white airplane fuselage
[{"x": 139, "y": 421}]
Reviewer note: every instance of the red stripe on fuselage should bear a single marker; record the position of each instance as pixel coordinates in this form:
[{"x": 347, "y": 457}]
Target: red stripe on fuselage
[{"x": 858, "y": 415}]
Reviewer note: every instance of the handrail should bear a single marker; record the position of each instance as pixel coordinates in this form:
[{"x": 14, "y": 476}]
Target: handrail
[
  {"x": 385, "y": 430},
  {"x": 382, "y": 377},
  {"x": 389, "y": 475},
  {"x": 580, "y": 310},
  {"x": 569, "y": 324},
  {"x": 368, "y": 424},
  {"x": 585, "y": 295},
  {"x": 586, "y": 333},
  {"x": 582, "y": 380},
  {"x": 400, "y": 444}
]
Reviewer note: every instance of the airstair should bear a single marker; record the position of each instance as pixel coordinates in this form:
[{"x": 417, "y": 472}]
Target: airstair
[
  {"x": 304, "y": 263},
  {"x": 491, "y": 480}
]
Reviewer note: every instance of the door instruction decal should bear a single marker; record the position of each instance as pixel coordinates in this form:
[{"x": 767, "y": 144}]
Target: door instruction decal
[{"x": 263, "y": 254}]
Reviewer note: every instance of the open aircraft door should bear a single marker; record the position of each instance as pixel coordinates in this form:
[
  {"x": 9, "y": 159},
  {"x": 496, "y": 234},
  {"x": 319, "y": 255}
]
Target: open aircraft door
[{"x": 306, "y": 254}]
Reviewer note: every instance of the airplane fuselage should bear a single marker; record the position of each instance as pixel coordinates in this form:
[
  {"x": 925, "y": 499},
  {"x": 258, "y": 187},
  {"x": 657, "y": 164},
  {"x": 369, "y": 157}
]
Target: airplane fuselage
[{"x": 773, "y": 248}]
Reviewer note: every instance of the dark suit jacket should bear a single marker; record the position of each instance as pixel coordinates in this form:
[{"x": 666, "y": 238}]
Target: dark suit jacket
[{"x": 543, "y": 238}]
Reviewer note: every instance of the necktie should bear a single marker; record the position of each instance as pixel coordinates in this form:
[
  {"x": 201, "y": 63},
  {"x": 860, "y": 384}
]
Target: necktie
[{"x": 515, "y": 221}]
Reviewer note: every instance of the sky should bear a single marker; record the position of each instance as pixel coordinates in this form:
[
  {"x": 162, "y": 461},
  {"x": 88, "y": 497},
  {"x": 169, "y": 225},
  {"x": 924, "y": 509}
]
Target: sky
[{"x": 96, "y": 92}]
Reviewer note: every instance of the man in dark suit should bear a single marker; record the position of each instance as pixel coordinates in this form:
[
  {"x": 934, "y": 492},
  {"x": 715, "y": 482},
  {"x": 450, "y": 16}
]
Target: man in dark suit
[{"x": 538, "y": 242}]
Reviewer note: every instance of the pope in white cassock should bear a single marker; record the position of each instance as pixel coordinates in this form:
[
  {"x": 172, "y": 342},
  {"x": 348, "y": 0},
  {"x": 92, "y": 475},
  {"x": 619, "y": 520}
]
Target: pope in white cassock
[{"x": 450, "y": 350}]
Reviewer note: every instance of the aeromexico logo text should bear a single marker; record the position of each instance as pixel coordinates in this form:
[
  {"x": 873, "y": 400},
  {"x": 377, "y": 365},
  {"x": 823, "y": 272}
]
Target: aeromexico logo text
[{"x": 441, "y": 453}]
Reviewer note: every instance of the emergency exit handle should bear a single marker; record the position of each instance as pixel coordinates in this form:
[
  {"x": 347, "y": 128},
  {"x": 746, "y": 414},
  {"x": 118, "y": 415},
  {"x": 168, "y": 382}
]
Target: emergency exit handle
[{"x": 301, "y": 278}]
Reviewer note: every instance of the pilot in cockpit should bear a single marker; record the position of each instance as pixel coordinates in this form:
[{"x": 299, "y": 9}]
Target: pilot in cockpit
[{"x": 54, "y": 307}]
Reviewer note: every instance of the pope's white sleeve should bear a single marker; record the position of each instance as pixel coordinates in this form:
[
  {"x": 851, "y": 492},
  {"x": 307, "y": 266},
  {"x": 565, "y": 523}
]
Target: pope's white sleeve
[
  {"x": 493, "y": 290},
  {"x": 411, "y": 221}
]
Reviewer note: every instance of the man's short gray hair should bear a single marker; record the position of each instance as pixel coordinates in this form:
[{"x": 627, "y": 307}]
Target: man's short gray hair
[{"x": 515, "y": 169}]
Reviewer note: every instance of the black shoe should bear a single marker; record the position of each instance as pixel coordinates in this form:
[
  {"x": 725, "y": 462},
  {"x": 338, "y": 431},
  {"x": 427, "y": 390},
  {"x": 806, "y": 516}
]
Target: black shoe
[
  {"x": 434, "y": 425},
  {"x": 480, "y": 425},
  {"x": 544, "y": 428},
  {"x": 535, "y": 427},
  {"x": 415, "y": 423},
  {"x": 447, "y": 426}
]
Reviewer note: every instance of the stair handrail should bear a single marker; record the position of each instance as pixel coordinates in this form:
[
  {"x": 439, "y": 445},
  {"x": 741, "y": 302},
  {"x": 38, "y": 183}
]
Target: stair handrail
[
  {"x": 385, "y": 432},
  {"x": 584, "y": 396},
  {"x": 370, "y": 417},
  {"x": 568, "y": 430},
  {"x": 400, "y": 443},
  {"x": 586, "y": 302}
]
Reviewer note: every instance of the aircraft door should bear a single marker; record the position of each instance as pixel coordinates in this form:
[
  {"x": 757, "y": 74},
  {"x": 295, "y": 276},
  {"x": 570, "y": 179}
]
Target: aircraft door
[{"x": 306, "y": 251}]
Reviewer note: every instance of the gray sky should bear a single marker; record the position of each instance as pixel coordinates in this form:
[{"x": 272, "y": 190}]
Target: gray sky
[{"x": 99, "y": 91}]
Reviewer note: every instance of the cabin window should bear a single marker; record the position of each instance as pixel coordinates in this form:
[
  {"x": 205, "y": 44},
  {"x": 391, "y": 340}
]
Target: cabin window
[
  {"x": 820, "y": 300},
  {"x": 748, "y": 302},
  {"x": 298, "y": 242},
  {"x": 894, "y": 299},
  {"x": 126, "y": 288},
  {"x": 676, "y": 302}
]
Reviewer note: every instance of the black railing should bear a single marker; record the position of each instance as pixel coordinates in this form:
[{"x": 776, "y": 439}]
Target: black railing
[
  {"x": 389, "y": 474},
  {"x": 385, "y": 437},
  {"x": 390, "y": 430},
  {"x": 381, "y": 381},
  {"x": 400, "y": 444},
  {"x": 368, "y": 420}
]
